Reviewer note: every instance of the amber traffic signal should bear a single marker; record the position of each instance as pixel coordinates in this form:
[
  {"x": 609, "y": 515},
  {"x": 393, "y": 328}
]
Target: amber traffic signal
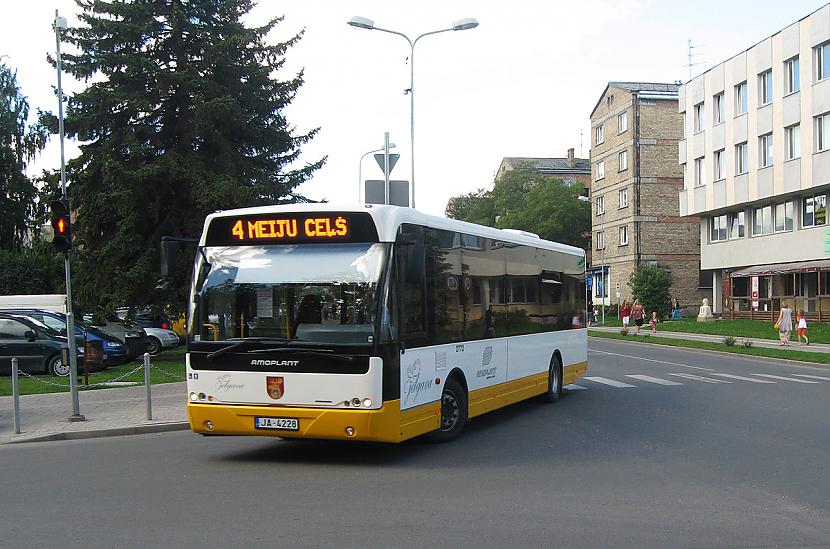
[{"x": 61, "y": 226}]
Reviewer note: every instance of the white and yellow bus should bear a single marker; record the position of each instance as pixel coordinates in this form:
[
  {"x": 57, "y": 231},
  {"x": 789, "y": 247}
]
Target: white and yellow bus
[{"x": 375, "y": 323}]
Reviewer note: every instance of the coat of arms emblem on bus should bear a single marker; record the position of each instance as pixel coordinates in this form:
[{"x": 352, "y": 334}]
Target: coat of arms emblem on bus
[{"x": 276, "y": 386}]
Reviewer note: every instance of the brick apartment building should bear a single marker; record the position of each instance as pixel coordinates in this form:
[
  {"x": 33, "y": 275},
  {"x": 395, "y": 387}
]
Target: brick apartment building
[{"x": 635, "y": 129}]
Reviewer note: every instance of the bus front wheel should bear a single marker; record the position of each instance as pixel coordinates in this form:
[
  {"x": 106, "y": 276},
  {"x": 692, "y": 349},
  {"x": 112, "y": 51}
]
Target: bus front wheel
[
  {"x": 554, "y": 380},
  {"x": 453, "y": 412}
]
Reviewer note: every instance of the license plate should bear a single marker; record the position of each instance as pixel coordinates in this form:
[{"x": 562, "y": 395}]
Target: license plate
[{"x": 283, "y": 423}]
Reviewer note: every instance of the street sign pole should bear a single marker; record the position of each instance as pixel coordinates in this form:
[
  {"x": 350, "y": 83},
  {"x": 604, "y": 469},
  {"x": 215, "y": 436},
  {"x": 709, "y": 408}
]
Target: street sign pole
[
  {"x": 386, "y": 167},
  {"x": 60, "y": 23}
]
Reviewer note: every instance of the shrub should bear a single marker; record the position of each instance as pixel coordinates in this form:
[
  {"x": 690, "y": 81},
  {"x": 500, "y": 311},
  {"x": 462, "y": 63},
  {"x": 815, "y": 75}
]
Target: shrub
[
  {"x": 729, "y": 341},
  {"x": 746, "y": 343},
  {"x": 651, "y": 285}
]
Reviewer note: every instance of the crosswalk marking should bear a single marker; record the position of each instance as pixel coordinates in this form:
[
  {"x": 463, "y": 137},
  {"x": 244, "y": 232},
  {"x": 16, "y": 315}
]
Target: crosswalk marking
[
  {"x": 701, "y": 378},
  {"x": 742, "y": 378},
  {"x": 813, "y": 377},
  {"x": 786, "y": 378},
  {"x": 606, "y": 381},
  {"x": 656, "y": 380},
  {"x": 574, "y": 387}
]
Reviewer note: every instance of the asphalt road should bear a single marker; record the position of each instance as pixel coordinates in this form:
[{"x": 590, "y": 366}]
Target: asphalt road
[{"x": 709, "y": 461}]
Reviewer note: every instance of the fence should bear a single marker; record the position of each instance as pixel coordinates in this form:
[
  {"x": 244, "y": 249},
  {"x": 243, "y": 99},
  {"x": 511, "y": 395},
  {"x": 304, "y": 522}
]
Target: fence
[{"x": 146, "y": 366}]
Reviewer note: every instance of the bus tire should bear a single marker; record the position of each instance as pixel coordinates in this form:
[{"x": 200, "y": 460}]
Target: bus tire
[
  {"x": 453, "y": 412},
  {"x": 554, "y": 380}
]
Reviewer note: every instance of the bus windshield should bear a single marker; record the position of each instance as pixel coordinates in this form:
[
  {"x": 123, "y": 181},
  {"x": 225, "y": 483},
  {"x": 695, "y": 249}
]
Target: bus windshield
[{"x": 323, "y": 293}]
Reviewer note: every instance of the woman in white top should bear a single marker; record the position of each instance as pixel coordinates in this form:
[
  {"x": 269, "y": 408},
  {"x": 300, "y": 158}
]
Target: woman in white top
[{"x": 785, "y": 325}]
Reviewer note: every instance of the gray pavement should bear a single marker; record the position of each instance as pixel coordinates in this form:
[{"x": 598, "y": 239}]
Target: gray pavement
[
  {"x": 108, "y": 412},
  {"x": 756, "y": 342}
]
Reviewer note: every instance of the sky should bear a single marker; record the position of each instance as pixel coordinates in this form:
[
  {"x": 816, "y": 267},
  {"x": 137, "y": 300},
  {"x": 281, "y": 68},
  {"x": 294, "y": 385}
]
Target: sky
[{"x": 521, "y": 84}]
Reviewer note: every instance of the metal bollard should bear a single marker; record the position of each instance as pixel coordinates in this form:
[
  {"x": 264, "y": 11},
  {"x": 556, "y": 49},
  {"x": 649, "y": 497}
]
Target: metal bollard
[
  {"x": 147, "y": 386},
  {"x": 16, "y": 395}
]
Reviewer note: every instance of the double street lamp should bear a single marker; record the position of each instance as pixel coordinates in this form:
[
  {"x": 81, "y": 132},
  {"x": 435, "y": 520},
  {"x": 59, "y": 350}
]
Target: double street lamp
[{"x": 368, "y": 24}]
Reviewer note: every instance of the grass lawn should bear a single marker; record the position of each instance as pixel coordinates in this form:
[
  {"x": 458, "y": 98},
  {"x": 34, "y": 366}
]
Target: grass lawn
[
  {"x": 171, "y": 362},
  {"x": 786, "y": 354},
  {"x": 818, "y": 333}
]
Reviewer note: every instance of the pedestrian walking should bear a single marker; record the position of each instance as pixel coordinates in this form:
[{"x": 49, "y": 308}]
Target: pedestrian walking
[
  {"x": 591, "y": 315},
  {"x": 801, "y": 327},
  {"x": 653, "y": 322},
  {"x": 637, "y": 314},
  {"x": 785, "y": 325},
  {"x": 625, "y": 313}
]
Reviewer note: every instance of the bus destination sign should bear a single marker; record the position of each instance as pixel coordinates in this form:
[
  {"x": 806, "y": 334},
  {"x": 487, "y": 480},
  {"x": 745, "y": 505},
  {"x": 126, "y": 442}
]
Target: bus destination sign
[{"x": 291, "y": 228}]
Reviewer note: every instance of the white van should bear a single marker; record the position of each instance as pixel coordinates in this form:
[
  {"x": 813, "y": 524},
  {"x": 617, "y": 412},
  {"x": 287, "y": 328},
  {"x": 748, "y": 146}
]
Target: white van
[{"x": 44, "y": 302}]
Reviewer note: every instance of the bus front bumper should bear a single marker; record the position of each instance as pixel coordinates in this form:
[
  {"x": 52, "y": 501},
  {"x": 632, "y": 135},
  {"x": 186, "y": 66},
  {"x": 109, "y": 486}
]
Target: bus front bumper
[{"x": 388, "y": 424}]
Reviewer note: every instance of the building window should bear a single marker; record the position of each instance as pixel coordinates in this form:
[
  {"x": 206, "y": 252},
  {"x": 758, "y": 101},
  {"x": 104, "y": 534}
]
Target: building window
[
  {"x": 623, "y": 160},
  {"x": 600, "y": 240},
  {"x": 765, "y": 150},
  {"x": 784, "y": 217},
  {"x": 822, "y": 56},
  {"x": 624, "y": 235},
  {"x": 762, "y": 221},
  {"x": 736, "y": 225},
  {"x": 600, "y": 205},
  {"x": 741, "y": 158},
  {"x": 600, "y": 170},
  {"x": 600, "y": 134},
  {"x": 719, "y": 171},
  {"x": 623, "y": 198},
  {"x": 814, "y": 210},
  {"x": 765, "y": 87},
  {"x": 740, "y": 99},
  {"x": 792, "y": 142},
  {"x": 699, "y": 123},
  {"x": 683, "y": 123},
  {"x": 699, "y": 172},
  {"x": 822, "y": 132},
  {"x": 792, "y": 74},
  {"x": 718, "y": 109},
  {"x": 622, "y": 122},
  {"x": 718, "y": 228},
  {"x": 685, "y": 185}
]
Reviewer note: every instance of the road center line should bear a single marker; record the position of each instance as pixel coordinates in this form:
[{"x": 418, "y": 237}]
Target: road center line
[
  {"x": 653, "y": 360},
  {"x": 742, "y": 378},
  {"x": 656, "y": 380},
  {"x": 786, "y": 378}
]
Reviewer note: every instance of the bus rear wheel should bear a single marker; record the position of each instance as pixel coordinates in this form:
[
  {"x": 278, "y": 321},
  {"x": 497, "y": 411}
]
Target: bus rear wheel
[
  {"x": 453, "y": 412},
  {"x": 554, "y": 380}
]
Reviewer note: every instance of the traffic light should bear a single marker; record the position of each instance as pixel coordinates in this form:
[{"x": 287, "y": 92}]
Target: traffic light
[{"x": 61, "y": 225}]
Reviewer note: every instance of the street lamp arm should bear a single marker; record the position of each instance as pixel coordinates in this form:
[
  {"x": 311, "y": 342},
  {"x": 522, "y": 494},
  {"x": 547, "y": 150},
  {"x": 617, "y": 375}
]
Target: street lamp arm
[{"x": 411, "y": 43}]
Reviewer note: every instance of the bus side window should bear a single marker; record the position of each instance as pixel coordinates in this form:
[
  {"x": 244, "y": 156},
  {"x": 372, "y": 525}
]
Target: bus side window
[{"x": 410, "y": 285}]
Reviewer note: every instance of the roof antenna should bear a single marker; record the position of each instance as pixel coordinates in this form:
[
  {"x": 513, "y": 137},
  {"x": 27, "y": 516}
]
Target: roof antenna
[{"x": 692, "y": 55}]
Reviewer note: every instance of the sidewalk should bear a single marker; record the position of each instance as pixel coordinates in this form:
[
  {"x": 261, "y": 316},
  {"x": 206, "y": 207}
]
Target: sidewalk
[
  {"x": 108, "y": 412},
  {"x": 765, "y": 343}
]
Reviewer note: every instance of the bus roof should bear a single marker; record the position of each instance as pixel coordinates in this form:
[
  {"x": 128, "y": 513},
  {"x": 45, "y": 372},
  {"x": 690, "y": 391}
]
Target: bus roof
[{"x": 388, "y": 218}]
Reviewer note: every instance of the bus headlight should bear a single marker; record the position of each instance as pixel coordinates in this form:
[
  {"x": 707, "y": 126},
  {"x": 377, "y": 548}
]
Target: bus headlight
[
  {"x": 367, "y": 402},
  {"x": 356, "y": 402},
  {"x": 194, "y": 397}
]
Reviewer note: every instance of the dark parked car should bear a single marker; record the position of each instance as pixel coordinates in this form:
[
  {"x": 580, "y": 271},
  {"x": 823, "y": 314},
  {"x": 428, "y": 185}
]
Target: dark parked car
[
  {"x": 115, "y": 350},
  {"x": 36, "y": 346},
  {"x": 146, "y": 317}
]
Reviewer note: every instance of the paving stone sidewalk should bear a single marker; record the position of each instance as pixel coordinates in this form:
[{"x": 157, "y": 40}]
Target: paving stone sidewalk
[
  {"x": 766, "y": 343},
  {"x": 108, "y": 412}
]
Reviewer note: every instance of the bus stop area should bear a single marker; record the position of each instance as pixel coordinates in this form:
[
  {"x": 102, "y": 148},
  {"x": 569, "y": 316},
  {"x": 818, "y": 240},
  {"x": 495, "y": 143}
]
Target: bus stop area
[{"x": 108, "y": 412}]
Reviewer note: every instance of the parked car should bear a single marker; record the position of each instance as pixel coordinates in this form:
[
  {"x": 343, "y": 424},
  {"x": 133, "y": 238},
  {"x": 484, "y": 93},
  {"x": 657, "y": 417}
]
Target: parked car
[
  {"x": 115, "y": 350},
  {"x": 159, "y": 339},
  {"x": 146, "y": 317},
  {"x": 36, "y": 346},
  {"x": 133, "y": 336}
]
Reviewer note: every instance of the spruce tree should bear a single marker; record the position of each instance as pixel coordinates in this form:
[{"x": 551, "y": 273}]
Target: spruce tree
[{"x": 182, "y": 116}]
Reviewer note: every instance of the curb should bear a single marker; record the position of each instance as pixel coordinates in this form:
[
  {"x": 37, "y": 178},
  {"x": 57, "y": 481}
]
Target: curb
[
  {"x": 100, "y": 433},
  {"x": 786, "y": 361}
]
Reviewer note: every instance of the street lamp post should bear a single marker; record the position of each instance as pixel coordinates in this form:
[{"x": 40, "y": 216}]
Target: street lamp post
[
  {"x": 366, "y": 23},
  {"x": 602, "y": 255},
  {"x": 360, "y": 169}
]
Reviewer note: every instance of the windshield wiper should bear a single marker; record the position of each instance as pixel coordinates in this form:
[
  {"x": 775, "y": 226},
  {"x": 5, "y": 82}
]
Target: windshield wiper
[
  {"x": 245, "y": 342},
  {"x": 328, "y": 353}
]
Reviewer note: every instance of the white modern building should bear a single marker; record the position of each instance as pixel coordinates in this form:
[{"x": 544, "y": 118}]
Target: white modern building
[{"x": 756, "y": 160}]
